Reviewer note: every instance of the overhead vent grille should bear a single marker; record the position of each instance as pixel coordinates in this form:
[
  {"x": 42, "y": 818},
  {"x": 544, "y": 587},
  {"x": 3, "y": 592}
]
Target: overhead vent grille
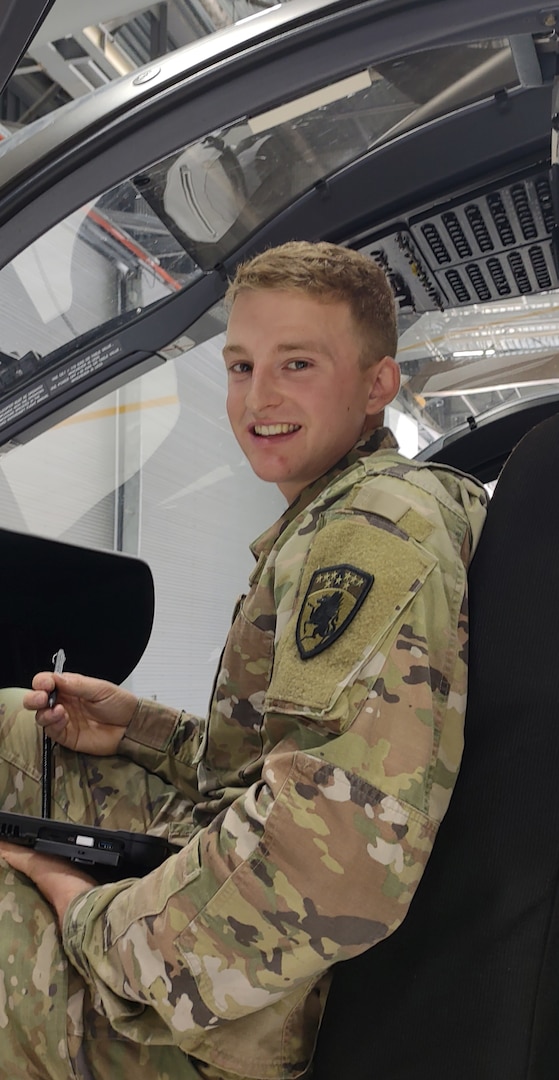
[
  {"x": 479, "y": 284},
  {"x": 523, "y": 211},
  {"x": 498, "y": 276},
  {"x": 456, "y": 282},
  {"x": 518, "y": 270},
  {"x": 436, "y": 243},
  {"x": 479, "y": 228},
  {"x": 545, "y": 202},
  {"x": 539, "y": 266},
  {"x": 502, "y": 220},
  {"x": 494, "y": 245},
  {"x": 498, "y": 243},
  {"x": 456, "y": 234}
]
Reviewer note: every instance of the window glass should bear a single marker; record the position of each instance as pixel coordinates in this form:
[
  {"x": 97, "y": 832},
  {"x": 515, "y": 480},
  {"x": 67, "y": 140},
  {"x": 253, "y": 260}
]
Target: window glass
[
  {"x": 213, "y": 194},
  {"x": 154, "y": 470},
  {"x": 99, "y": 268}
]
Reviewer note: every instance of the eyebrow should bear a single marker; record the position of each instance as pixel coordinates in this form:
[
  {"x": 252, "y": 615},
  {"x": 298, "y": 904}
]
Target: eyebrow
[
  {"x": 285, "y": 347},
  {"x": 304, "y": 346},
  {"x": 232, "y": 350}
]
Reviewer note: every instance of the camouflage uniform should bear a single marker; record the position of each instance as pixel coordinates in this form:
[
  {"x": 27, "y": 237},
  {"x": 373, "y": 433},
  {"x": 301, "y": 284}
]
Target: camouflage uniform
[{"x": 306, "y": 805}]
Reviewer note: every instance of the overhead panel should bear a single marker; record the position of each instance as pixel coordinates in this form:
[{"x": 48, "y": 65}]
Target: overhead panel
[{"x": 493, "y": 245}]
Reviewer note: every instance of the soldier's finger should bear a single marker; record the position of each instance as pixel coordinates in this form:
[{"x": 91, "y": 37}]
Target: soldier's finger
[
  {"x": 36, "y": 699},
  {"x": 43, "y": 680}
]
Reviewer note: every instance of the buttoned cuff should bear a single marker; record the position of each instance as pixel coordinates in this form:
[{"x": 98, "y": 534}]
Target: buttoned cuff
[{"x": 151, "y": 725}]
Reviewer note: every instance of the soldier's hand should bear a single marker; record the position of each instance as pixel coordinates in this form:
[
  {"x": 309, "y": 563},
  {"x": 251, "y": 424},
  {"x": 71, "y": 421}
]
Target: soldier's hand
[
  {"x": 57, "y": 879},
  {"x": 90, "y": 715}
]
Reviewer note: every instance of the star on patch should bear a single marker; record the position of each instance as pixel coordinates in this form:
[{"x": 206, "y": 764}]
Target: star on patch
[{"x": 332, "y": 600}]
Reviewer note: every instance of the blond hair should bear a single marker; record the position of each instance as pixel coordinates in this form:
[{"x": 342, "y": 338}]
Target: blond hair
[{"x": 329, "y": 272}]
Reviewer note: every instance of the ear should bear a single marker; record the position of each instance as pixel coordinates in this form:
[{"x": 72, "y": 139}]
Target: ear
[{"x": 384, "y": 384}]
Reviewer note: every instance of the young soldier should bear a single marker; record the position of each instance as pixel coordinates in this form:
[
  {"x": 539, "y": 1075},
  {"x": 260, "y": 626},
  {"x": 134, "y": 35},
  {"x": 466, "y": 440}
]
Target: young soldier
[{"x": 307, "y": 804}]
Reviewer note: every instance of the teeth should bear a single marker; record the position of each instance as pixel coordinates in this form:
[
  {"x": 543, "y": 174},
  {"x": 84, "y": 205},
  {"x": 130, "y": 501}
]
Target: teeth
[{"x": 275, "y": 429}]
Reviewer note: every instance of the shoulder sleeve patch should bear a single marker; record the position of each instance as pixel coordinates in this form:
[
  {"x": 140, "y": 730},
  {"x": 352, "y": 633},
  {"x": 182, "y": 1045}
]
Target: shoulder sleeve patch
[
  {"x": 332, "y": 600},
  {"x": 337, "y": 630}
]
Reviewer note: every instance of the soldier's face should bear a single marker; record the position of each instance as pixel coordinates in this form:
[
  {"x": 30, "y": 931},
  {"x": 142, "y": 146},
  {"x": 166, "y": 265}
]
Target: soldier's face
[{"x": 298, "y": 398}]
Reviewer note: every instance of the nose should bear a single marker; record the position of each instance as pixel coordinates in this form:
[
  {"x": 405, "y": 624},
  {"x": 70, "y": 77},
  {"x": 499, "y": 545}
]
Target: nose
[{"x": 264, "y": 391}]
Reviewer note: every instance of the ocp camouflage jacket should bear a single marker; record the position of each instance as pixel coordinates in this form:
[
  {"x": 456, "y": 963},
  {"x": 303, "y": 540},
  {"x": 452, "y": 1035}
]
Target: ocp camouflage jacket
[{"x": 318, "y": 782}]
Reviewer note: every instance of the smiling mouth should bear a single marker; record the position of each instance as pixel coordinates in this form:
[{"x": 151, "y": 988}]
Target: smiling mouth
[{"x": 274, "y": 429}]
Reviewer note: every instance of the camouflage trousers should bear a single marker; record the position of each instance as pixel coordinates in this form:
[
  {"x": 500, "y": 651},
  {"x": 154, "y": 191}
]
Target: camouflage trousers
[{"x": 48, "y": 1027}]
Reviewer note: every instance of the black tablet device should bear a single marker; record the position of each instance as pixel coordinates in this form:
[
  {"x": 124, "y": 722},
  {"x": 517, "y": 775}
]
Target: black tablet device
[{"x": 106, "y": 854}]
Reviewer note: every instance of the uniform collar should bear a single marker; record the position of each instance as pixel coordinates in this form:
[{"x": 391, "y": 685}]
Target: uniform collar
[{"x": 379, "y": 439}]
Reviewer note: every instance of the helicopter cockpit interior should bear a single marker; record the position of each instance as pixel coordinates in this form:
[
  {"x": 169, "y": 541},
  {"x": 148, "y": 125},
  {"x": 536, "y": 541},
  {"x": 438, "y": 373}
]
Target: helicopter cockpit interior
[{"x": 147, "y": 149}]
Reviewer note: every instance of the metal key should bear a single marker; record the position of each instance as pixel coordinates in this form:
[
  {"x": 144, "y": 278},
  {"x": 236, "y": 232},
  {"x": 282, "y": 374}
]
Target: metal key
[{"x": 58, "y": 660}]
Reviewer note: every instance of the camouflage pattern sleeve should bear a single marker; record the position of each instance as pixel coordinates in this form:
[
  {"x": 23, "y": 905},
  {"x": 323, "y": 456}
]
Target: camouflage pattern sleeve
[
  {"x": 165, "y": 741},
  {"x": 319, "y": 858}
]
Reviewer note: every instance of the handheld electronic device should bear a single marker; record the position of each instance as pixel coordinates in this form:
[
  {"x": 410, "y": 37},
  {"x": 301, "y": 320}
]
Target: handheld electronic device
[{"x": 105, "y": 853}]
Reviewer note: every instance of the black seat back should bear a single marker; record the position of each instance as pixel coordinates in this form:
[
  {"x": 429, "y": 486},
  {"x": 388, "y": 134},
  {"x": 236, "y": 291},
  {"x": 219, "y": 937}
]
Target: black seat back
[
  {"x": 96, "y": 605},
  {"x": 468, "y": 986}
]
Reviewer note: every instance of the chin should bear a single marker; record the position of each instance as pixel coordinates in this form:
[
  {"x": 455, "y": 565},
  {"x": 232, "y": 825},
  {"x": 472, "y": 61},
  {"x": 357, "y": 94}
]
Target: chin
[{"x": 268, "y": 475}]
